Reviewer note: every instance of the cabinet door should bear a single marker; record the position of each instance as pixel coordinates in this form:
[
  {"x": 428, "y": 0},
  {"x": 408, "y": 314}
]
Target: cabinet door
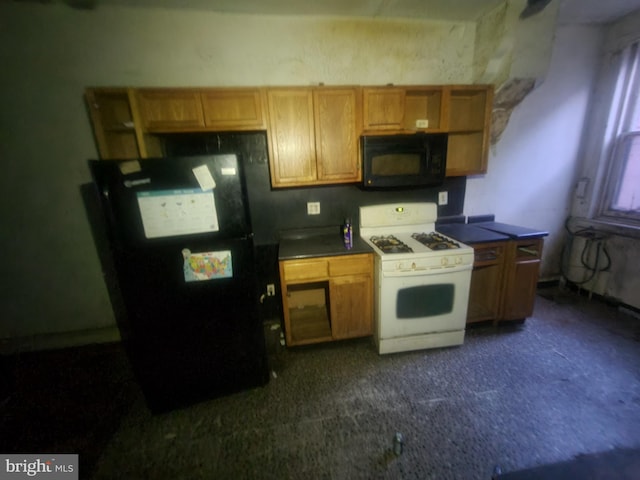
[
  {"x": 233, "y": 109},
  {"x": 337, "y": 133},
  {"x": 304, "y": 285},
  {"x": 305, "y": 269},
  {"x": 383, "y": 108},
  {"x": 170, "y": 109},
  {"x": 113, "y": 123},
  {"x": 351, "y": 306},
  {"x": 486, "y": 283},
  {"x": 291, "y": 137},
  {"x": 520, "y": 291},
  {"x": 521, "y": 280},
  {"x": 469, "y": 122}
]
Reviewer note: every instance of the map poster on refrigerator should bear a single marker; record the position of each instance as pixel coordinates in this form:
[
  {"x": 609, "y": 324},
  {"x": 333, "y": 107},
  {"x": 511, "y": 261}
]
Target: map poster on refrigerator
[
  {"x": 207, "y": 265},
  {"x": 167, "y": 213}
]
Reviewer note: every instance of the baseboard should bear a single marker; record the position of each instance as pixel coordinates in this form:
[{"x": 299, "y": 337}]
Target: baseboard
[
  {"x": 55, "y": 341},
  {"x": 548, "y": 283},
  {"x": 614, "y": 302}
]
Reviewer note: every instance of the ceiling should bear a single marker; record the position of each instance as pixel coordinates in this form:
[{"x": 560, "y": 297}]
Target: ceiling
[{"x": 570, "y": 11}]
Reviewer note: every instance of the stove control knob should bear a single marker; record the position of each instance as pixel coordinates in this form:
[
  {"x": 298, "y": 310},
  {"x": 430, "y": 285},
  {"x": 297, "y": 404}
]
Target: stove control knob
[
  {"x": 444, "y": 261},
  {"x": 458, "y": 260},
  {"x": 413, "y": 265}
]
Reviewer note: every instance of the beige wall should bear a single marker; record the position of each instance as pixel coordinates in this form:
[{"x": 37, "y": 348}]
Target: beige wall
[{"x": 52, "y": 281}]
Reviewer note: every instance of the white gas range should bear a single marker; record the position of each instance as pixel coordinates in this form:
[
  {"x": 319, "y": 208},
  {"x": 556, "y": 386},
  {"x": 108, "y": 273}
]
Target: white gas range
[{"x": 421, "y": 276}]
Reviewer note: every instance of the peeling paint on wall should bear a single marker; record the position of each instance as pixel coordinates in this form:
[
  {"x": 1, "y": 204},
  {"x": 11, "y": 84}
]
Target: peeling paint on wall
[
  {"x": 513, "y": 54},
  {"x": 506, "y": 99}
]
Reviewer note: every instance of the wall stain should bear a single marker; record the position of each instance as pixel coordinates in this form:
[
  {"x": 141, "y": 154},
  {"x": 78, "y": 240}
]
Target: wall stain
[{"x": 506, "y": 99}]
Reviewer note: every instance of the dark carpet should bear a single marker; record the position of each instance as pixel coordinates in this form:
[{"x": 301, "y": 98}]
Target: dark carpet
[
  {"x": 617, "y": 464},
  {"x": 562, "y": 386},
  {"x": 64, "y": 401}
]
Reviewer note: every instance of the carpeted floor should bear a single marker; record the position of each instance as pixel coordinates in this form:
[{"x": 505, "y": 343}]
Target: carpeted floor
[{"x": 563, "y": 384}]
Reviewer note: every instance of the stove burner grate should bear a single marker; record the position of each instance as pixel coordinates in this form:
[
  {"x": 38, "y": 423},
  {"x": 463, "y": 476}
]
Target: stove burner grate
[
  {"x": 390, "y": 244},
  {"x": 435, "y": 241}
]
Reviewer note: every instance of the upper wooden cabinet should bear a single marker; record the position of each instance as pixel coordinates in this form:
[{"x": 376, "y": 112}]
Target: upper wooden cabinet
[
  {"x": 383, "y": 108},
  {"x": 337, "y": 114},
  {"x": 313, "y": 136},
  {"x": 233, "y": 109},
  {"x": 468, "y": 124},
  {"x": 462, "y": 111},
  {"x": 291, "y": 137},
  {"x": 313, "y": 132},
  {"x": 113, "y": 123},
  {"x": 216, "y": 109},
  {"x": 169, "y": 109},
  {"x": 403, "y": 109}
]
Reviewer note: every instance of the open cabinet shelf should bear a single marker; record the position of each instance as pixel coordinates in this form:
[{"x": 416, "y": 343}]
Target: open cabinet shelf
[{"x": 309, "y": 315}]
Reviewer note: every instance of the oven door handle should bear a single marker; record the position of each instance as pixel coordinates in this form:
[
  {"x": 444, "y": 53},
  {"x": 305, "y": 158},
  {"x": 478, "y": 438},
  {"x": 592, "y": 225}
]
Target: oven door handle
[{"x": 427, "y": 271}]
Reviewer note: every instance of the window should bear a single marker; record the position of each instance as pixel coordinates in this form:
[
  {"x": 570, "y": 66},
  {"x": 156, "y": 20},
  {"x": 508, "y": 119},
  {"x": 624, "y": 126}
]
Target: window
[{"x": 621, "y": 194}]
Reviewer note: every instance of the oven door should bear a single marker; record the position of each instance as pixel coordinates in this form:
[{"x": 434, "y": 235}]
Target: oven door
[{"x": 417, "y": 303}]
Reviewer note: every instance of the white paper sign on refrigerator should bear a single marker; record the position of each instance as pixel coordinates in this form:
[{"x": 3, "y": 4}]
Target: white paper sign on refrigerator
[
  {"x": 204, "y": 177},
  {"x": 167, "y": 213}
]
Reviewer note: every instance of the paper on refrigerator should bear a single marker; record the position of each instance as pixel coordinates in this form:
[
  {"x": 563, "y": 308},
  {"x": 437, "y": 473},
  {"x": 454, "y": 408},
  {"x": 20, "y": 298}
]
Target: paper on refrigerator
[
  {"x": 207, "y": 265},
  {"x": 167, "y": 213}
]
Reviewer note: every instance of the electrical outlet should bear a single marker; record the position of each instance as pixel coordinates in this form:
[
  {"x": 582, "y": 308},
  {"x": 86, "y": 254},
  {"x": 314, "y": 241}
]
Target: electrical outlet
[
  {"x": 313, "y": 208},
  {"x": 271, "y": 290},
  {"x": 443, "y": 198}
]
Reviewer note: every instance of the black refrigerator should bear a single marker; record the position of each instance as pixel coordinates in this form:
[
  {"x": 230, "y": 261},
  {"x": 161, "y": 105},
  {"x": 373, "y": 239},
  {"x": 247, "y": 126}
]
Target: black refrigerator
[{"x": 182, "y": 275}]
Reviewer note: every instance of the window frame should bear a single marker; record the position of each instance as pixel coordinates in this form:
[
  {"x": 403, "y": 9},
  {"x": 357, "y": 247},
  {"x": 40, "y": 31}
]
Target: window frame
[{"x": 622, "y": 112}]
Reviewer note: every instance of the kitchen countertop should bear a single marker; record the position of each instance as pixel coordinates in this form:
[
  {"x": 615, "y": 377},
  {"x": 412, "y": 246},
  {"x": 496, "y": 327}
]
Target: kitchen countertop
[
  {"x": 470, "y": 234},
  {"x": 318, "y": 242},
  {"x": 512, "y": 231}
]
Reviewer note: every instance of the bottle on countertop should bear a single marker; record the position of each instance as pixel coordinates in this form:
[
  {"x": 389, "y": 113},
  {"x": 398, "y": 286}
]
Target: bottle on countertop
[{"x": 347, "y": 233}]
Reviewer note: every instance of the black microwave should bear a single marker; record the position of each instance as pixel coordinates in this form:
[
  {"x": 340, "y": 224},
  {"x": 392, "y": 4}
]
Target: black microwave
[{"x": 410, "y": 160}]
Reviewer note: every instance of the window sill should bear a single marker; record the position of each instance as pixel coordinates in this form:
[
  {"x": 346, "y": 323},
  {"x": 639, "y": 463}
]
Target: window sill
[{"x": 608, "y": 225}]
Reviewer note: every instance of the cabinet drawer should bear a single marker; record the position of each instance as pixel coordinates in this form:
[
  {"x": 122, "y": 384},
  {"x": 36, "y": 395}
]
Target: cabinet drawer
[
  {"x": 488, "y": 255},
  {"x": 350, "y": 265},
  {"x": 305, "y": 269},
  {"x": 528, "y": 251}
]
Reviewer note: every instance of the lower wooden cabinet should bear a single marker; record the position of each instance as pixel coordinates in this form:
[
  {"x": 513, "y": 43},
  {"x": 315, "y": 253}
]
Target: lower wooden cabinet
[
  {"x": 521, "y": 278},
  {"x": 485, "y": 292},
  {"x": 504, "y": 280},
  {"x": 327, "y": 298}
]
